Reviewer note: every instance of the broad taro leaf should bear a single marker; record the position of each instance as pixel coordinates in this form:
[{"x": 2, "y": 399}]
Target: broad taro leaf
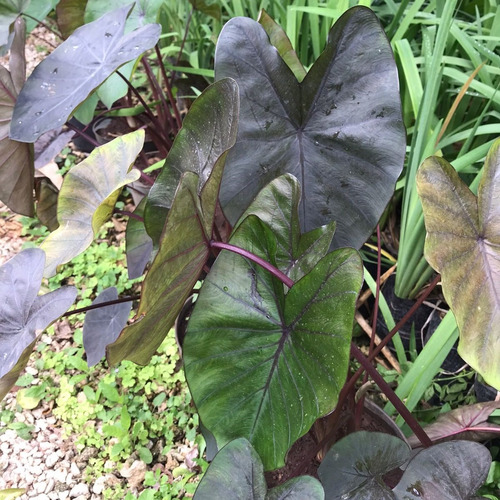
[
  {"x": 9, "y": 11},
  {"x": 46, "y": 206},
  {"x": 280, "y": 40},
  {"x": 183, "y": 252},
  {"x": 446, "y": 471},
  {"x": 37, "y": 10},
  {"x": 354, "y": 466},
  {"x": 463, "y": 244},
  {"x": 70, "y": 15},
  {"x": 103, "y": 325},
  {"x": 236, "y": 472},
  {"x": 209, "y": 130},
  {"x": 340, "y": 131},
  {"x": 69, "y": 74},
  {"x": 88, "y": 196},
  {"x": 277, "y": 205},
  {"x": 468, "y": 422},
  {"x": 24, "y": 314},
  {"x": 138, "y": 244},
  {"x": 16, "y": 158},
  {"x": 261, "y": 364}
]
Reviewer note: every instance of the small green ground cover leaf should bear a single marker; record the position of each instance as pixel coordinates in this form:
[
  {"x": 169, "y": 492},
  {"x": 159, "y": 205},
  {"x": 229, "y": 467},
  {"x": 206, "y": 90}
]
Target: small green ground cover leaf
[
  {"x": 88, "y": 196},
  {"x": 69, "y": 74},
  {"x": 237, "y": 472},
  {"x": 339, "y": 131},
  {"x": 265, "y": 365},
  {"x": 24, "y": 314},
  {"x": 463, "y": 244}
]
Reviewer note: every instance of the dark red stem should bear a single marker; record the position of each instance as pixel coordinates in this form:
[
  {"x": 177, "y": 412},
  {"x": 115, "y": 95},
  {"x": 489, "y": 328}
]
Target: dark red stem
[{"x": 102, "y": 304}]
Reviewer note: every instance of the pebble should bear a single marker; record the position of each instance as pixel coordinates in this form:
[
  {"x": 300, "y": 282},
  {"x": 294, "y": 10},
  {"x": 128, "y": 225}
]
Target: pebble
[{"x": 80, "y": 489}]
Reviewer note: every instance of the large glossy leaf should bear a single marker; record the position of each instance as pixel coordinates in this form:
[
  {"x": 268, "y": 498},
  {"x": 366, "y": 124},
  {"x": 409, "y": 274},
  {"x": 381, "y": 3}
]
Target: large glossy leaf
[
  {"x": 446, "y": 471},
  {"x": 209, "y": 130},
  {"x": 261, "y": 364},
  {"x": 88, "y": 196},
  {"x": 237, "y": 473},
  {"x": 353, "y": 468},
  {"x": 24, "y": 314},
  {"x": 468, "y": 422},
  {"x": 67, "y": 76},
  {"x": 277, "y": 205},
  {"x": 103, "y": 325},
  {"x": 463, "y": 244},
  {"x": 183, "y": 252},
  {"x": 339, "y": 131},
  {"x": 16, "y": 158}
]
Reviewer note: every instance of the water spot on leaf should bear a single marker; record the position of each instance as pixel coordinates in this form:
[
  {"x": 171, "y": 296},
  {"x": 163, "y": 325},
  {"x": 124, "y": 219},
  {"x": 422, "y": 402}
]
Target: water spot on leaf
[
  {"x": 54, "y": 71},
  {"x": 225, "y": 288},
  {"x": 107, "y": 34},
  {"x": 38, "y": 113}
]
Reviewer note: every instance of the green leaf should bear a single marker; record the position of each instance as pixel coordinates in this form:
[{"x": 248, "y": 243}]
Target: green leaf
[
  {"x": 9, "y": 11},
  {"x": 277, "y": 205},
  {"x": 69, "y": 15},
  {"x": 88, "y": 196},
  {"x": 209, "y": 130},
  {"x": 463, "y": 244},
  {"x": 24, "y": 314},
  {"x": 263, "y": 365},
  {"x": 139, "y": 245},
  {"x": 16, "y": 158},
  {"x": 143, "y": 12},
  {"x": 354, "y": 466},
  {"x": 279, "y": 39},
  {"x": 176, "y": 268},
  {"x": 69, "y": 74},
  {"x": 209, "y": 8},
  {"x": 237, "y": 473},
  {"x": 11, "y": 493},
  {"x": 38, "y": 11},
  {"x": 339, "y": 131},
  {"x": 145, "y": 455},
  {"x": 30, "y": 398},
  {"x": 446, "y": 471}
]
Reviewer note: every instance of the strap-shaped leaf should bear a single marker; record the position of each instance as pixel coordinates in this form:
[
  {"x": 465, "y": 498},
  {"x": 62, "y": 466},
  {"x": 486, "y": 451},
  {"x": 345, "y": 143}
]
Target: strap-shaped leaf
[
  {"x": 236, "y": 472},
  {"x": 339, "y": 131},
  {"x": 24, "y": 314},
  {"x": 67, "y": 76},
  {"x": 463, "y": 244},
  {"x": 354, "y": 466},
  {"x": 103, "y": 325},
  {"x": 16, "y": 158},
  {"x": 88, "y": 196},
  {"x": 263, "y": 365},
  {"x": 209, "y": 130}
]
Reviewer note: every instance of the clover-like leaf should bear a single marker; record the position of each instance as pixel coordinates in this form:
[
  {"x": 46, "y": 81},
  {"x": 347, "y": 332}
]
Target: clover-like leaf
[
  {"x": 16, "y": 158},
  {"x": 261, "y": 364},
  {"x": 463, "y": 244},
  {"x": 445, "y": 471},
  {"x": 88, "y": 196},
  {"x": 69, "y": 74},
  {"x": 103, "y": 325},
  {"x": 24, "y": 314},
  {"x": 354, "y": 466},
  {"x": 177, "y": 266},
  {"x": 339, "y": 131},
  {"x": 209, "y": 130},
  {"x": 236, "y": 472}
]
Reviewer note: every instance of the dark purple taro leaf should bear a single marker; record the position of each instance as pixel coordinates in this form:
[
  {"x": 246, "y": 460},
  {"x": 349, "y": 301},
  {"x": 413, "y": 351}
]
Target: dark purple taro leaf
[
  {"x": 354, "y": 466},
  {"x": 236, "y": 472},
  {"x": 72, "y": 71},
  {"x": 103, "y": 325},
  {"x": 446, "y": 471},
  {"x": 340, "y": 131},
  {"x": 24, "y": 314},
  {"x": 261, "y": 364}
]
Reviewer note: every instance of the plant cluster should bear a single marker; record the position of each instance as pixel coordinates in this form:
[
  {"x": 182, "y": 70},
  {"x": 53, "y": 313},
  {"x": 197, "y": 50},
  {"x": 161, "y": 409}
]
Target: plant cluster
[{"x": 267, "y": 189}]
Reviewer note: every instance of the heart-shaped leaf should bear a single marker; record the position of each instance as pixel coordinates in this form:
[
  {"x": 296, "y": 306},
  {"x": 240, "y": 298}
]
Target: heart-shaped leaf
[
  {"x": 339, "y": 131},
  {"x": 103, "y": 325},
  {"x": 16, "y": 158},
  {"x": 277, "y": 205},
  {"x": 138, "y": 243},
  {"x": 177, "y": 266},
  {"x": 24, "y": 314},
  {"x": 67, "y": 76},
  {"x": 263, "y": 365},
  {"x": 446, "y": 471},
  {"x": 209, "y": 130},
  {"x": 88, "y": 196},
  {"x": 354, "y": 466},
  {"x": 463, "y": 244},
  {"x": 236, "y": 472}
]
